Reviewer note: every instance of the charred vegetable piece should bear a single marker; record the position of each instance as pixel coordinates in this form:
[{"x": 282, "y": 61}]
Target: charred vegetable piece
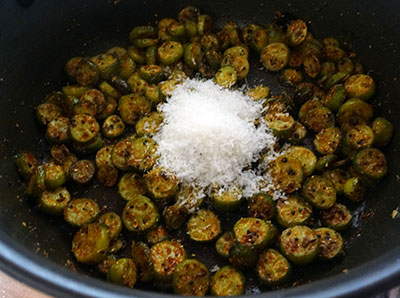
[
  {"x": 142, "y": 31},
  {"x": 354, "y": 189},
  {"x": 109, "y": 90},
  {"x": 273, "y": 269},
  {"x": 107, "y": 174},
  {"x": 338, "y": 177},
  {"x": 299, "y": 244},
  {"x": 307, "y": 107},
  {"x": 143, "y": 43},
  {"x": 331, "y": 243},
  {"x": 359, "y": 137},
  {"x": 166, "y": 256},
  {"x": 224, "y": 244},
  {"x": 371, "y": 162},
  {"x": 58, "y": 130},
  {"x": 280, "y": 123},
  {"x": 131, "y": 185},
  {"x": 60, "y": 99},
  {"x": 156, "y": 234},
  {"x": 71, "y": 67},
  {"x": 287, "y": 173},
  {"x": 90, "y": 243},
  {"x": 121, "y": 85},
  {"x": 116, "y": 245},
  {"x": 243, "y": 256},
  {"x": 128, "y": 67},
  {"x": 226, "y": 199},
  {"x": 203, "y": 226},
  {"x": 275, "y": 33},
  {"x": 153, "y": 94},
  {"x": 103, "y": 156},
  {"x": 189, "y": 196},
  {"x": 312, "y": 65},
  {"x": 240, "y": 64},
  {"x": 26, "y": 164},
  {"x": 152, "y": 74},
  {"x": 191, "y": 278},
  {"x": 258, "y": 92},
  {"x": 54, "y": 201},
  {"x": 55, "y": 176},
  {"x": 121, "y": 154},
  {"x": 108, "y": 65},
  {"x": 354, "y": 110},
  {"x": 123, "y": 272},
  {"x": 82, "y": 171},
  {"x": 148, "y": 125},
  {"x": 290, "y": 77},
  {"x": 383, "y": 131},
  {"x": 67, "y": 163},
  {"x": 360, "y": 86},
  {"x": 261, "y": 206},
  {"x": 327, "y": 141},
  {"x": 113, "y": 222},
  {"x": 46, "y": 112},
  {"x": 111, "y": 107},
  {"x": 204, "y": 24},
  {"x": 139, "y": 214},
  {"x": 170, "y": 52},
  {"x": 319, "y": 118},
  {"x": 293, "y": 211},
  {"x": 252, "y": 232},
  {"x": 190, "y": 12},
  {"x": 36, "y": 182},
  {"x": 275, "y": 56},
  {"x": 175, "y": 216},
  {"x": 131, "y": 107},
  {"x": 335, "y": 97},
  {"x": 113, "y": 126},
  {"x": 296, "y": 32},
  {"x": 87, "y": 73},
  {"x": 297, "y": 133},
  {"x": 105, "y": 265},
  {"x": 81, "y": 211},
  {"x": 136, "y": 55},
  {"x": 140, "y": 253},
  {"x": 193, "y": 55},
  {"x": 305, "y": 156},
  {"x": 83, "y": 128},
  {"x": 320, "y": 192},
  {"x": 226, "y": 76},
  {"x": 151, "y": 55},
  {"x": 338, "y": 217},
  {"x": 85, "y": 107},
  {"x": 161, "y": 185},
  {"x": 228, "y": 281},
  {"x": 74, "y": 92},
  {"x": 333, "y": 52}
]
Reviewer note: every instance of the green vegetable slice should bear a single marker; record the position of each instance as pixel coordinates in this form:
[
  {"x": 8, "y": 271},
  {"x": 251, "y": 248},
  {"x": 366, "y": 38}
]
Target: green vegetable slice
[
  {"x": 331, "y": 243},
  {"x": 139, "y": 214},
  {"x": 203, "y": 226},
  {"x": 299, "y": 244},
  {"x": 228, "y": 281},
  {"x": 273, "y": 269},
  {"x": 191, "y": 278},
  {"x": 90, "y": 243},
  {"x": 166, "y": 256}
]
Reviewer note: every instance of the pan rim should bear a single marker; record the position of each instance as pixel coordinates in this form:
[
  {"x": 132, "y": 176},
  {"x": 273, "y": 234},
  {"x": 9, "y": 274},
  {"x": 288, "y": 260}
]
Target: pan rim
[{"x": 373, "y": 277}]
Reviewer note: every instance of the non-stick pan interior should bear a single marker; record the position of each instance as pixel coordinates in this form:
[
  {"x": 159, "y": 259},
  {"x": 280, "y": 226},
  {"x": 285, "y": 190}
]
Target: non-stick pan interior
[{"x": 37, "y": 38}]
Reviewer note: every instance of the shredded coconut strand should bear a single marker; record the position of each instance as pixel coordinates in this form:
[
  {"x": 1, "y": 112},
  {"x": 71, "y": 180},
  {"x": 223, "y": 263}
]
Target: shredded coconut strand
[{"x": 208, "y": 136}]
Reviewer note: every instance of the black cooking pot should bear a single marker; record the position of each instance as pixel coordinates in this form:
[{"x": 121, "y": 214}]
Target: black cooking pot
[{"x": 37, "y": 38}]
